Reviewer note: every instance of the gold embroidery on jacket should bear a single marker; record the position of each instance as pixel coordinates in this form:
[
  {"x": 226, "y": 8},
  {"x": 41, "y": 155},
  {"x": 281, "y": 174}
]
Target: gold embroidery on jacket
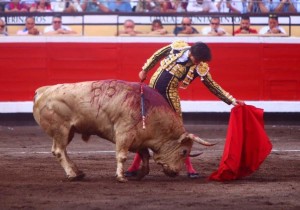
[
  {"x": 172, "y": 93},
  {"x": 156, "y": 57},
  {"x": 169, "y": 62},
  {"x": 155, "y": 77},
  {"x": 217, "y": 90},
  {"x": 178, "y": 70},
  {"x": 173, "y": 96},
  {"x": 188, "y": 78},
  {"x": 202, "y": 69},
  {"x": 166, "y": 51}
]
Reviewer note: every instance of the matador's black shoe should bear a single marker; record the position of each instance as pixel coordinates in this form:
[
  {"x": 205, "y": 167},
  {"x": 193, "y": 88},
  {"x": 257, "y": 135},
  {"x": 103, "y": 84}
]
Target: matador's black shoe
[
  {"x": 130, "y": 173},
  {"x": 194, "y": 175}
]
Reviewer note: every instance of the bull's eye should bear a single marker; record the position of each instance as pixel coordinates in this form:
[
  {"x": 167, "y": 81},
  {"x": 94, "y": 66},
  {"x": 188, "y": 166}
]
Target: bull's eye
[{"x": 184, "y": 152}]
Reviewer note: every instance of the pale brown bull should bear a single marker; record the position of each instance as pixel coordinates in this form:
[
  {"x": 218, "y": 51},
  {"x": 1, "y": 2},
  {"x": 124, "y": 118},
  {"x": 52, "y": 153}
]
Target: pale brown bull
[{"x": 111, "y": 110}]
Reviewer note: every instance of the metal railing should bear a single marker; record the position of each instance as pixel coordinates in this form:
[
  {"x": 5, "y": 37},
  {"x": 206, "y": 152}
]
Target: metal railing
[{"x": 171, "y": 19}]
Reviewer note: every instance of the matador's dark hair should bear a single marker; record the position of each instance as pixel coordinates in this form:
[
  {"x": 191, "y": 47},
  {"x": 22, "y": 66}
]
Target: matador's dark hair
[{"x": 201, "y": 52}]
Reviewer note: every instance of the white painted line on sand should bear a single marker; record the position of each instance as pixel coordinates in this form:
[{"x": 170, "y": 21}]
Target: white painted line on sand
[{"x": 104, "y": 151}]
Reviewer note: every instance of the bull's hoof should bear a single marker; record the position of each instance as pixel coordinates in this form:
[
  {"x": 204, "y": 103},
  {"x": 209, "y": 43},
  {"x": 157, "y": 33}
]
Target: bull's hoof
[
  {"x": 79, "y": 177},
  {"x": 140, "y": 177},
  {"x": 141, "y": 174},
  {"x": 122, "y": 179}
]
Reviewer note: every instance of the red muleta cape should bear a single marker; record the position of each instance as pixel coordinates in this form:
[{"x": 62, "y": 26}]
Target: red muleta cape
[{"x": 247, "y": 144}]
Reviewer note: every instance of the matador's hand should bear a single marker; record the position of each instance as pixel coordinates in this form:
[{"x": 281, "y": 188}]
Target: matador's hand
[
  {"x": 142, "y": 75},
  {"x": 238, "y": 102}
]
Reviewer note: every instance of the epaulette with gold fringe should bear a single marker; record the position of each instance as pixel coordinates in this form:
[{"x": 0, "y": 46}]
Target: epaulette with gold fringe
[
  {"x": 180, "y": 45},
  {"x": 202, "y": 69}
]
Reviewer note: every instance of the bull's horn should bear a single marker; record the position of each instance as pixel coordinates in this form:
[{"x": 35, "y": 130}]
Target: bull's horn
[
  {"x": 200, "y": 141},
  {"x": 196, "y": 154},
  {"x": 182, "y": 137}
]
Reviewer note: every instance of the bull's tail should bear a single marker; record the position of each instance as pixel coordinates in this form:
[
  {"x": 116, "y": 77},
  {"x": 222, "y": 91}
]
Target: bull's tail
[{"x": 39, "y": 92}]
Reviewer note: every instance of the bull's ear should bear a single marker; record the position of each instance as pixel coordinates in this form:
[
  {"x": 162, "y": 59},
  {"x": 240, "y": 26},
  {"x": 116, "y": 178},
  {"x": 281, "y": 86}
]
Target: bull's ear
[{"x": 182, "y": 137}]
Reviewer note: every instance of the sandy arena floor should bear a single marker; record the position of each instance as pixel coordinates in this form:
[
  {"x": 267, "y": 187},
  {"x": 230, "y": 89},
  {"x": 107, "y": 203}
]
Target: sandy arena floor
[{"x": 31, "y": 178}]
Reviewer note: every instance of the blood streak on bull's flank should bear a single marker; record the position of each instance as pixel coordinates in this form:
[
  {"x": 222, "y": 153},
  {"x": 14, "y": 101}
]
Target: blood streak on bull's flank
[{"x": 111, "y": 90}]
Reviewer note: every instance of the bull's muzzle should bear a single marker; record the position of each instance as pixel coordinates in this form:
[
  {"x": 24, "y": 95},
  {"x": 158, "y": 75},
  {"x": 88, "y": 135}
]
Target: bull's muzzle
[{"x": 170, "y": 173}]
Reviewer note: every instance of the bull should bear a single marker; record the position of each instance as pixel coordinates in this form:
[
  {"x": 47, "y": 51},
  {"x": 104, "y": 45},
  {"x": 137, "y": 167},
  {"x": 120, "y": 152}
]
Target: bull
[{"x": 111, "y": 110}]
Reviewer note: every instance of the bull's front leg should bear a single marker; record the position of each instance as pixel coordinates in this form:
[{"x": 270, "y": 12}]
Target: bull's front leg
[
  {"x": 121, "y": 156},
  {"x": 144, "y": 170}
]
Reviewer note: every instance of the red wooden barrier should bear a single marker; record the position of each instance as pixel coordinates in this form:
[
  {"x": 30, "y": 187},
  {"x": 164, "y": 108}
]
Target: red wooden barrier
[{"x": 250, "y": 71}]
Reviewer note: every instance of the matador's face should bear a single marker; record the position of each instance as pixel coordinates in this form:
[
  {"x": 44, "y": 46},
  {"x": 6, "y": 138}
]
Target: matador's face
[{"x": 193, "y": 59}]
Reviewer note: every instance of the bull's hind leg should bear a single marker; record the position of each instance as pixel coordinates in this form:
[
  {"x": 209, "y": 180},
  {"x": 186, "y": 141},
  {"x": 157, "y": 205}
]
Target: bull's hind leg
[
  {"x": 60, "y": 142},
  {"x": 144, "y": 170}
]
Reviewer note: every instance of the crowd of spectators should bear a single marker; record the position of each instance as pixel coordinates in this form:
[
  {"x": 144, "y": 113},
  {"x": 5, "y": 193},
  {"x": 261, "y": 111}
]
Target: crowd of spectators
[
  {"x": 185, "y": 28},
  {"x": 204, "y": 6},
  {"x": 214, "y": 29}
]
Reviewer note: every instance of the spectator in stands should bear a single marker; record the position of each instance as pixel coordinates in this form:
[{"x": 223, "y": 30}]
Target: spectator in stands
[
  {"x": 231, "y": 6},
  {"x": 157, "y": 28},
  {"x": 129, "y": 26},
  {"x": 119, "y": 6},
  {"x": 277, "y": 6},
  {"x": 147, "y": 6},
  {"x": 161, "y": 6},
  {"x": 297, "y": 6},
  {"x": 274, "y": 6},
  {"x": 179, "y": 5},
  {"x": 201, "y": 6},
  {"x": 184, "y": 4},
  {"x": 245, "y": 26},
  {"x": 16, "y": 6},
  {"x": 261, "y": 6},
  {"x": 29, "y": 3},
  {"x": 94, "y": 6},
  {"x": 57, "y": 28},
  {"x": 186, "y": 27},
  {"x": 3, "y": 28},
  {"x": 288, "y": 6},
  {"x": 2, "y": 5},
  {"x": 41, "y": 6},
  {"x": 30, "y": 28},
  {"x": 214, "y": 29},
  {"x": 273, "y": 27},
  {"x": 165, "y": 6},
  {"x": 67, "y": 6},
  {"x": 170, "y": 6}
]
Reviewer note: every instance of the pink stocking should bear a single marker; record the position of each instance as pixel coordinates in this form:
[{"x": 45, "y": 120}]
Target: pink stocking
[
  {"x": 136, "y": 163},
  {"x": 189, "y": 166}
]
